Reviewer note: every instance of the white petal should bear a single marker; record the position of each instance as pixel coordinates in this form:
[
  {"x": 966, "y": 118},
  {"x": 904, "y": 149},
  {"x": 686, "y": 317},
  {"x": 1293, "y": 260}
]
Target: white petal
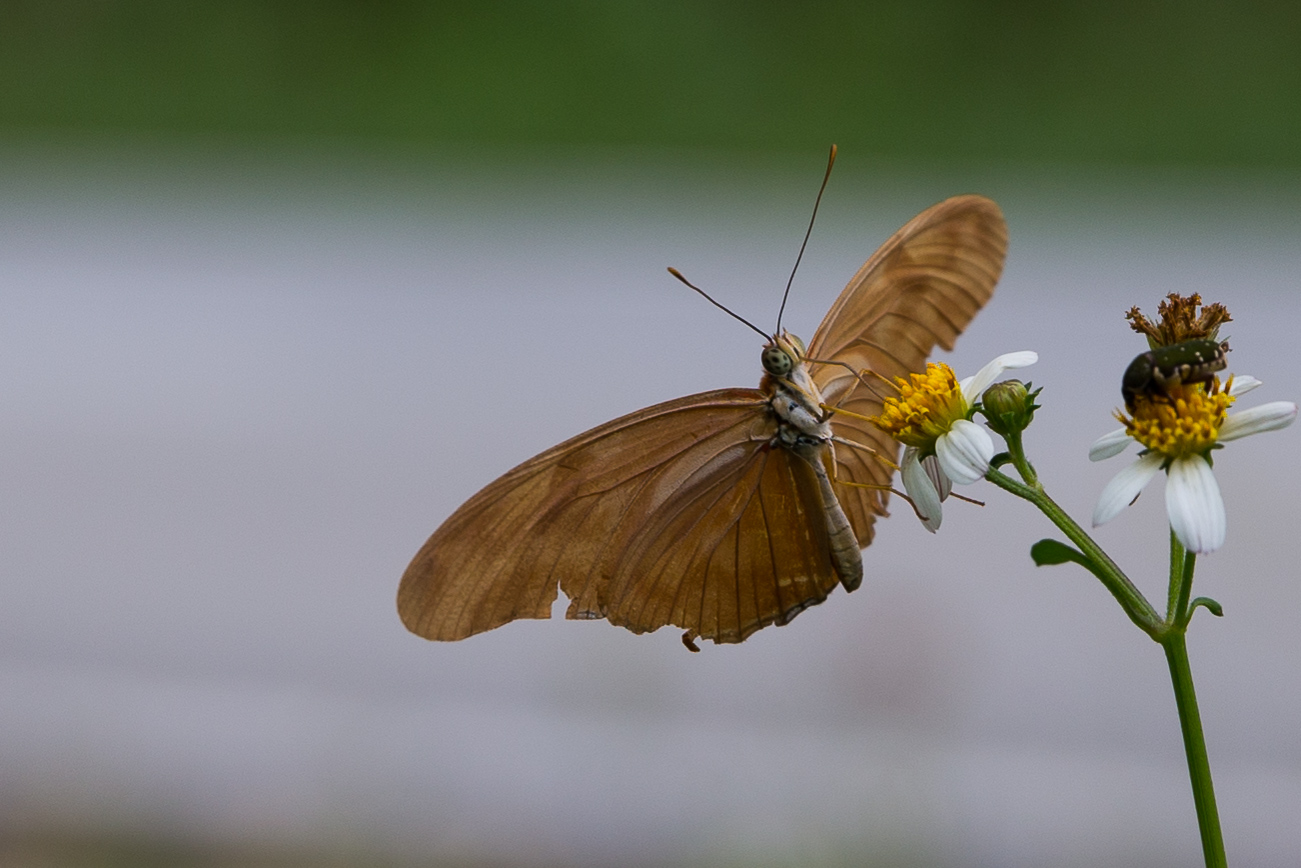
[
  {"x": 1266, "y": 417},
  {"x": 917, "y": 483},
  {"x": 1193, "y": 502},
  {"x": 1242, "y": 384},
  {"x": 1125, "y": 486},
  {"x": 964, "y": 452},
  {"x": 1110, "y": 444},
  {"x": 942, "y": 483},
  {"x": 973, "y": 387}
]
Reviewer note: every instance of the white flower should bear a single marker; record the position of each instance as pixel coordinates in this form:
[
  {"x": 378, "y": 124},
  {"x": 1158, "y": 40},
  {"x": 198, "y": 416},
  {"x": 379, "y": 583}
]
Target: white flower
[
  {"x": 1178, "y": 435},
  {"x": 931, "y": 418}
]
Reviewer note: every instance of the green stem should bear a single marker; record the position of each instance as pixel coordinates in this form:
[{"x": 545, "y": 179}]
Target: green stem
[
  {"x": 1168, "y": 632},
  {"x": 1172, "y": 607},
  {"x": 1186, "y": 590},
  {"x": 1199, "y": 765},
  {"x": 1131, "y": 599},
  {"x": 1182, "y": 565},
  {"x": 1019, "y": 460}
]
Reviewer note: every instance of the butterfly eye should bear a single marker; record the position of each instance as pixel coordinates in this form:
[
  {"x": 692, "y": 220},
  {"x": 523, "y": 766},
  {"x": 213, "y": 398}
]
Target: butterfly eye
[{"x": 777, "y": 361}]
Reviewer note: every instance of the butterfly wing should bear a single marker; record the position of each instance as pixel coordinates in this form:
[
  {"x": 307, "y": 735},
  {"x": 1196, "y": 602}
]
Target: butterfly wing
[
  {"x": 745, "y": 545},
  {"x": 921, "y": 288},
  {"x": 689, "y": 512},
  {"x": 640, "y": 521}
]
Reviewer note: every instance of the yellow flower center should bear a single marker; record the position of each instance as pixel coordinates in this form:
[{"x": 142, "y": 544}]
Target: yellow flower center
[
  {"x": 927, "y": 406},
  {"x": 1186, "y": 422}
]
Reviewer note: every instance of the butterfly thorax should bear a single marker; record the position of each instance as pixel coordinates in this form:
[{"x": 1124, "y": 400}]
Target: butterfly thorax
[
  {"x": 793, "y": 396},
  {"x": 804, "y": 430}
]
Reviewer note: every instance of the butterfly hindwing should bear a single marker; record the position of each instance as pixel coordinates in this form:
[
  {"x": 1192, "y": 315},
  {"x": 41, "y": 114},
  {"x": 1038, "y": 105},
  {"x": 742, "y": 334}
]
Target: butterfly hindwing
[{"x": 741, "y": 550}]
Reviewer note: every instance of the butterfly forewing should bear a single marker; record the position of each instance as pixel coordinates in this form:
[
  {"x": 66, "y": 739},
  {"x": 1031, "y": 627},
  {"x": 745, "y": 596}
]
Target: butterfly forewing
[
  {"x": 694, "y": 512},
  {"x": 919, "y": 290}
]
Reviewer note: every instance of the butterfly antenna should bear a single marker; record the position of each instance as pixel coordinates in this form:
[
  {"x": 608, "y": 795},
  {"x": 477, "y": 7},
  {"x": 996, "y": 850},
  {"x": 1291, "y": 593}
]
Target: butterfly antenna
[
  {"x": 678, "y": 274},
  {"x": 831, "y": 161}
]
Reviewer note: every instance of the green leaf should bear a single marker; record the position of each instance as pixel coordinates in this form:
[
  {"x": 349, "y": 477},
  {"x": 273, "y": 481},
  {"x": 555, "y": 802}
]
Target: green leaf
[
  {"x": 1210, "y": 605},
  {"x": 1047, "y": 552}
]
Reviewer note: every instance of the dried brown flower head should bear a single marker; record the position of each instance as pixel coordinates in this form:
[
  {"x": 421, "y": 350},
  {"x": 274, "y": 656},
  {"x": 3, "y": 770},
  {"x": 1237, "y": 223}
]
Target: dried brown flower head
[{"x": 1180, "y": 320}]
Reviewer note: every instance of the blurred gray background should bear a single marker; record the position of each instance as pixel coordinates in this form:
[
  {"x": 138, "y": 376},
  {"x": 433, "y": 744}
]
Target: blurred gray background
[
  {"x": 240, "y": 395},
  {"x": 249, "y": 361}
]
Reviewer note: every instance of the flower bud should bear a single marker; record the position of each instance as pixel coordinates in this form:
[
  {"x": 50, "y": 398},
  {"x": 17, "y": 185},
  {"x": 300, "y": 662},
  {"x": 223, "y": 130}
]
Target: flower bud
[{"x": 1009, "y": 406}]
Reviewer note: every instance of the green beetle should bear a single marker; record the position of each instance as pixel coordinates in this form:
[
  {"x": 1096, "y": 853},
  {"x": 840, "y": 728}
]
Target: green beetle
[{"x": 1151, "y": 373}]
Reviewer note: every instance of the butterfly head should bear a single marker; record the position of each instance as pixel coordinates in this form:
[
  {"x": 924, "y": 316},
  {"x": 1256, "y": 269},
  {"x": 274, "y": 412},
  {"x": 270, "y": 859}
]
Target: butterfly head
[{"x": 782, "y": 354}]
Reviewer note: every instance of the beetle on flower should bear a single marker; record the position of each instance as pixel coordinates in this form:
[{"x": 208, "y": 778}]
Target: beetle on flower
[
  {"x": 1178, "y": 435},
  {"x": 1182, "y": 421}
]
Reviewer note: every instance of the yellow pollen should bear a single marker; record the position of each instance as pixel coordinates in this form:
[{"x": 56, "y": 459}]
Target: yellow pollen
[
  {"x": 1186, "y": 422},
  {"x": 927, "y": 406}
]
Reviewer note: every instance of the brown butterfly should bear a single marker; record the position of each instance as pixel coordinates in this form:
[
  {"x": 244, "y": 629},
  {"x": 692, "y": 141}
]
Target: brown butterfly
[{"x": 726, "y": 511}]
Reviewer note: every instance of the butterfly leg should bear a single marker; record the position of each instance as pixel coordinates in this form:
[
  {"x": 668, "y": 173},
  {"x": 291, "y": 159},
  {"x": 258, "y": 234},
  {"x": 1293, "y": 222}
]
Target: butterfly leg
[
  {"x": 860, "y": 379},
  {"x": 871, "y": 485}
]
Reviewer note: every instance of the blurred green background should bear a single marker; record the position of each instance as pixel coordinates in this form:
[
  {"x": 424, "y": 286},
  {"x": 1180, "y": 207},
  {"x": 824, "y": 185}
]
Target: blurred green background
[{"x": 1197, "y": 82}]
